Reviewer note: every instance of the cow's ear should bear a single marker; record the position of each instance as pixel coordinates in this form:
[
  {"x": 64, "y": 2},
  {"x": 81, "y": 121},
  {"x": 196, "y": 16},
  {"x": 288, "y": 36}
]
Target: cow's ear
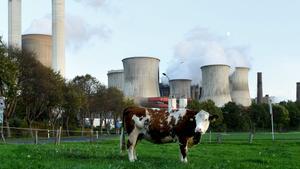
[{"x": 213, "y": 118}]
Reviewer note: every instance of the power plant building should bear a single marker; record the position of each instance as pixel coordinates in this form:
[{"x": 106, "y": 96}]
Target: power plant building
[
  {"x": 141, "y": 78},
  {"x": 116, "y": 79},
  {"x": 259, "y": 98},
  {"x": 14, "y": 23},
  {"x": 58, "y": 35},
  {"x": 239, "y": 89},
  {"x": 215, "y": 84},
  {"x": 180, "y": 88},
  {"x": 40, "y": 45},
  {"x": 298, "y": 92}
]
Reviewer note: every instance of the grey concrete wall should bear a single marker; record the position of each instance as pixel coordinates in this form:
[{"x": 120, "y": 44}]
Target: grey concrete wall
[
  {"x": 141, "y": 77},
  {"x": 180, "y": 88},
  {"x": 40, "y": 45},
  {"x": 14, "y": 23},
  {"x": 116, "y": 79},
  {"x": 58, "y": 33},
  {"x": 239, "y": 88},
  {"x": 215, "y": 84}
]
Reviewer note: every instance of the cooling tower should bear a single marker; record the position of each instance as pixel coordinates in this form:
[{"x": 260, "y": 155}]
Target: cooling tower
[
  {"x": 14, "y": 23},
  {"x": 180, "y": 88},
  {"x": 239, "y": 89},
  {"x": 215, "y": 84},
  {"x": 298, "y": 92},
  {"x": 141, "y": 78},
  {"x": 40, "y": 45},
  {"x": 58, "y": 34},
  {"x": 116, "y": 79},
  {"x": 259, "y": 88}
]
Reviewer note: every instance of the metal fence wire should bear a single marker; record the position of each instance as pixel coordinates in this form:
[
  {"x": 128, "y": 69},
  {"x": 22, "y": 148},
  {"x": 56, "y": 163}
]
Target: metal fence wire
[{"x": 43, "y": 136}]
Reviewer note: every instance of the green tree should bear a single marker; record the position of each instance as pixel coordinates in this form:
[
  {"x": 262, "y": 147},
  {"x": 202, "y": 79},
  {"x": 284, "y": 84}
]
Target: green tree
[
  {"x": 41, "y": 89},
  {"x": 260, "y": 116},
  {"x": 236, "y": 117},
  {"x": 74, "y": 100},
  {"x": 294, "y": 113},
  {"x": 89, "y": 86},
  {"x": 281, "y": 117},
  {"x": 9, "y": 72}
]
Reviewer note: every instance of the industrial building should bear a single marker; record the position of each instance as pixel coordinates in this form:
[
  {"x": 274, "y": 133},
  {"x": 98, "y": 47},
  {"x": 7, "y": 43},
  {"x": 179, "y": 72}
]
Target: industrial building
[
  {"x": 14, "y": 23},
  {"x": 259, "y": 97},
  {"x": 180, "y": 88},
  {"x": 116, "y": 79},
  {"x": 215, "y": 84},
  {"x": 58, "y": 35},
  {"x": 195, "y": 92},
  {"x": 141, "y": 78},
  {"x": 239, "y": 89},
  {"x": 40, "y": 45},
  {"x": 298, "y": 92}
]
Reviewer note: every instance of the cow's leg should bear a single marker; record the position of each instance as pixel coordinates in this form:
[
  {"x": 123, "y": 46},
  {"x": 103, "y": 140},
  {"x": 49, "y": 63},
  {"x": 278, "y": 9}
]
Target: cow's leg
[
  {"x": 183, "y": 149},
  {"x": 131, "y": 143}
]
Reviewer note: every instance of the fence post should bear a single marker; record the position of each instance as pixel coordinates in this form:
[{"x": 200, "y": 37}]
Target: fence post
[
  {"x": 219, "y": 138},
  {"x": 97, "y": 134},
  {"x": 48, "y": 133},
  {"x": 91, "y": 135},
  {"x": 36, "y": 140},
  {"x": 251, "y": 135},
  {"x": 210, "y": 136},
  {"x": 59, "y": 136}
]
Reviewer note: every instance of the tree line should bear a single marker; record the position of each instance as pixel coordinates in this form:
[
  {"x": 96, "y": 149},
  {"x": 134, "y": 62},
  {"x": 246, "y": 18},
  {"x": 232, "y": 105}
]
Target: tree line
[
  {"x": 38, "y": 97},
  {"x": 233, "y": 117}
]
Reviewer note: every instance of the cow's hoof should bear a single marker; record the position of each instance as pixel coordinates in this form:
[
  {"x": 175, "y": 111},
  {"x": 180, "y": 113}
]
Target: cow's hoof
[{"x": 184, "y": 160}]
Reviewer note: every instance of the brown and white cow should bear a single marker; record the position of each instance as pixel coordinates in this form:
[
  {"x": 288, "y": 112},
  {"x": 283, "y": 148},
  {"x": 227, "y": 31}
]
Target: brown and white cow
[{"x": 160, "y": 126}]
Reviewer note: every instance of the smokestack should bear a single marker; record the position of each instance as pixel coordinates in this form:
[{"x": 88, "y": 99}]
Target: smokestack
[
  {"x": 14, "y": 23},
  {"x": 58, "y": 35},
  {"x": 259, "y": 88},
  {"x": 298, "y": 92}
]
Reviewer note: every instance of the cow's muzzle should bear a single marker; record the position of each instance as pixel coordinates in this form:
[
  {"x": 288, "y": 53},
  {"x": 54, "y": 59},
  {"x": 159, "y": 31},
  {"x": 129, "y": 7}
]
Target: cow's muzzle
[{"x": 197, "y": 137}]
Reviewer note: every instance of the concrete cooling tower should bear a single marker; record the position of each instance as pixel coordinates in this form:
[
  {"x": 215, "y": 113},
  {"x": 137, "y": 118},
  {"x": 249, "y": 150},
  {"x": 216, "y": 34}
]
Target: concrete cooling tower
[
  {"x": 141, "y": 78},
  {"x": 180, "y": 88},
  {"x": 40, "y": 45},
  {"x": 215, "y": 84},
  {"x": 239, "y": 88},
  {"x": 116, "y": 79}
]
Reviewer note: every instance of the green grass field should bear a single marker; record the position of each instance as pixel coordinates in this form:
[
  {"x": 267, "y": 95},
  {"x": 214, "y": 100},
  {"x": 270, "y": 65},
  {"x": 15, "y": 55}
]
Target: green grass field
[{"x": 232, "y": 153}]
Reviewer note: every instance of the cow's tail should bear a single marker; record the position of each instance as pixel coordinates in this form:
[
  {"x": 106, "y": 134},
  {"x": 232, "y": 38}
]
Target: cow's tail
[{"x": 122, "y": 136}]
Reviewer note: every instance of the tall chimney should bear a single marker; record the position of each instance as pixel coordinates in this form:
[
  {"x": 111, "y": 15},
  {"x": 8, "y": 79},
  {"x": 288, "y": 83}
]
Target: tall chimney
[
  {"x": 58, "y": 36},
  {"x": 14, "y": 23},
  {"x": 298, "y": 92},
  {"x": 259, "y": 87}
]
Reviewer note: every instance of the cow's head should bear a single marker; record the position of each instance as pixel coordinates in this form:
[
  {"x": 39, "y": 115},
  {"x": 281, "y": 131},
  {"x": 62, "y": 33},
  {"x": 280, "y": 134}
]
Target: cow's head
[{"x": 203, "y": 119}]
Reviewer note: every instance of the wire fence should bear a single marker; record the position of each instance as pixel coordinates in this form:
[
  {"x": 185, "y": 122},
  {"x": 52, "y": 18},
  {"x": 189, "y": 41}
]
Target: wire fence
[
  {"x": 44, "y": 136},
  {"x": 248, "y": 137}
]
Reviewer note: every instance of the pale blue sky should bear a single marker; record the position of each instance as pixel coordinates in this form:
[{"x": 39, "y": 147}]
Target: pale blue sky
[{"x": 101, "y": 35}]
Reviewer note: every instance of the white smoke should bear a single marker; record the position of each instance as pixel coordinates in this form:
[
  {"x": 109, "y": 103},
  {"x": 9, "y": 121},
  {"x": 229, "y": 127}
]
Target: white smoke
[
  {"x": 199, "y": 48},
  {"x": 78, "y": 31}
]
